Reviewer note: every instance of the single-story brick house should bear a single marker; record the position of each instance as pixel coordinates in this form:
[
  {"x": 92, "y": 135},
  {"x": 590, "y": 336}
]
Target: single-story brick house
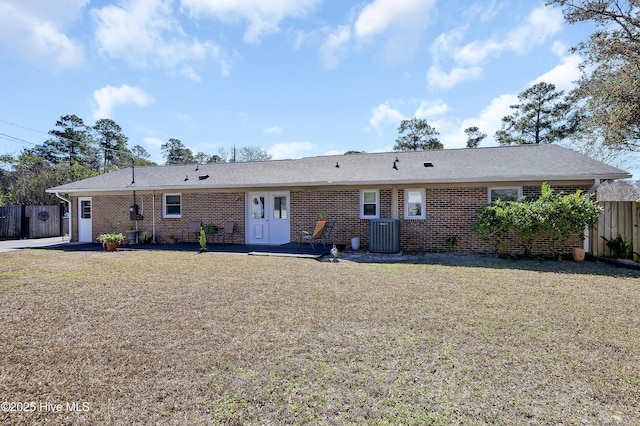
[{"x": 434, "y": 194}]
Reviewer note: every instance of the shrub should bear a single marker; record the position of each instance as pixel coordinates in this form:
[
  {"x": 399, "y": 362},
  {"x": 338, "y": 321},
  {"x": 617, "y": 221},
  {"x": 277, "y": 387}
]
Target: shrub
[
  {"x": 492, "y": 224},
  {"x": 559, "y": 216}
]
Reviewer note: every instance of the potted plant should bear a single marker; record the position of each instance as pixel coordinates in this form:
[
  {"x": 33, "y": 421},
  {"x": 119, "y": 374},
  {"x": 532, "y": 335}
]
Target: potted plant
[
  {"x": 112, "y": 241},
  {"x": 322, "y": 216},
  {"x": 172, "y": 239},
  {"x": 210, "y": 228},
  {"x": 145, "y": 237}
]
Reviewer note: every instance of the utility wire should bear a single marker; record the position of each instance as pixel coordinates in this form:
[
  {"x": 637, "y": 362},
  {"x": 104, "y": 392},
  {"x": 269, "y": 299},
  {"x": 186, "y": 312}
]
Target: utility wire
[{"x": 15, "y": 139}]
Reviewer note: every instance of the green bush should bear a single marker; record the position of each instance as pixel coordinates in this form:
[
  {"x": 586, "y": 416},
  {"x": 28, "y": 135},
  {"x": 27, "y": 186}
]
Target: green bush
[{"x": 555, "y": 215}]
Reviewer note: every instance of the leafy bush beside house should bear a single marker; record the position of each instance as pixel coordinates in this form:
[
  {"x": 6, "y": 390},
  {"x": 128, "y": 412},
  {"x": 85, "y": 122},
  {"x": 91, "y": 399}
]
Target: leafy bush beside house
[{"x": 555, "y": 216}]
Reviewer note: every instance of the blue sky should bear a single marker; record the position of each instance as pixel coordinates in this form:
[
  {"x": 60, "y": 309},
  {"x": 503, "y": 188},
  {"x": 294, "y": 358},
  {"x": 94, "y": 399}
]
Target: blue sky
[{"x": 295, "y": 77}]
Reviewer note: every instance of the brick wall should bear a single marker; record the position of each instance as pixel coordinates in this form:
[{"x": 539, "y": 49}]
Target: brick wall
[
  {"x": 449, "y": 211},
  {"x": 111, "y": 214}
]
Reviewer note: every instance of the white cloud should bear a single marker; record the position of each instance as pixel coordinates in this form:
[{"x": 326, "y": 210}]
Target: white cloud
[
  {"x": 282, "y": 151},
  {"x": 145, "y": 34},
  {"x": 380, "y": 15},
  {"x": 263, "y": 16},
  {"x": 477, "y": 52},
  {"x": 393, "y": 27},
  {"x": 274, "y": 130},
  {"x": 541, "y": 23},
  {"x": 384, "y": 115},
  {"x": 488, "y": 121},
  {"x": 559, "y": 48},
  {"x": 35, "y": 29},
  {"x": 108, "y": 97},
  {"x": 563, "y": 75},
  {"x": 431, "y": 109},
  {"x": 440, "y": 79},
  {"x": 334, "y": 46}
]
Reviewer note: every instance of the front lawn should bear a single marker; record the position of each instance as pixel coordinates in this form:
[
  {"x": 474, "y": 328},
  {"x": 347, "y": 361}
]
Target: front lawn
[{"x": 184, "y": 338}]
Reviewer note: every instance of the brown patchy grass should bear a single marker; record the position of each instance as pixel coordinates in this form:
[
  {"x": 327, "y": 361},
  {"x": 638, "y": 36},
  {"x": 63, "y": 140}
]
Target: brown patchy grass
[{"x": 182, "y": 338}]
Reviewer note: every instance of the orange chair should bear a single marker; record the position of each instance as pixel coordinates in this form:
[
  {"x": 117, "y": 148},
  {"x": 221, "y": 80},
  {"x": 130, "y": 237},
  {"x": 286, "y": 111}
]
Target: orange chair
[{"x": 314, "y": 235}]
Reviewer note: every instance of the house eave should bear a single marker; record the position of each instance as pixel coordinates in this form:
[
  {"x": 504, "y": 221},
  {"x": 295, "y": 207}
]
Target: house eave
[{"x": 485, "y": 180}]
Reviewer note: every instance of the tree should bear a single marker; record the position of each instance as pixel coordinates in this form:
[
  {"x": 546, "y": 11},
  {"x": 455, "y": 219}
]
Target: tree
[
  {"x": 474, "y": 136},
  {"x": 141, "y": 156},
  {"x": 73, "y": 143},
  {"x": 609, "y": 86},
  {"x": 417, "y": 135},
  {"x": 176, "y": 153},
  {"x": 31, "y": 175},
  {"x": 201, "y": 157},
  {"x": 245, "y": 153},
  {"x": 542, "y": 116},
  {"x": 112, "y": 142},
  {"x": 253, "y": 153}
]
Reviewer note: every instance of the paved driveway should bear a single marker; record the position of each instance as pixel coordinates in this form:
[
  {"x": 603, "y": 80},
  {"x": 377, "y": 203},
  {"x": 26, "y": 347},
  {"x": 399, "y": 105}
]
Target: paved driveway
[{"x": 9, "y": 245}]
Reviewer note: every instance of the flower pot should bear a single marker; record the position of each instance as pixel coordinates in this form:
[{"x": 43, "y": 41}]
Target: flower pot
[
  {"x": 577, "y": 254},
  {"x": 112, "y": 246},
  {"x": 355, "y": 243},
  {"x": 132, "y": 236}
]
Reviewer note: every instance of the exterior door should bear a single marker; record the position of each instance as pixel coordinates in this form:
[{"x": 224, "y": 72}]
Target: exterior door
[
  {"x": 268, "y": 218},
  {"x": 85, "y": 213}
]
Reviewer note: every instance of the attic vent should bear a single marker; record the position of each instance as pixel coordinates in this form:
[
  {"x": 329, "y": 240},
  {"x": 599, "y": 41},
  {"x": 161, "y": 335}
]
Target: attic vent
[
  {"x": 203, "y": 177},
  {"x": 428, "y": 164}
]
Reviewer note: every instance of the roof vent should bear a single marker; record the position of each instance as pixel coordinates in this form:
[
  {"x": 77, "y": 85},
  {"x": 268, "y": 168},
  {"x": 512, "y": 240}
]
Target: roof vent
[
  {"x": 203, "y": 177},
  {"x": 428, "y": 164}
]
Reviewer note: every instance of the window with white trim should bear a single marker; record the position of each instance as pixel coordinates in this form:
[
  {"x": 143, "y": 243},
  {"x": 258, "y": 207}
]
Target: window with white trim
[
  {"x": 369, "y": 204},
  {"x": 414, "y": 199},
  {"x": 505, "y": 193},
  {"x": 172, "y": 205}
]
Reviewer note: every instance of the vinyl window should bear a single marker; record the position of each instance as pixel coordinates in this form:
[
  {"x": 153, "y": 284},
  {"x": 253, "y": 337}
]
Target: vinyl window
[
  {"x": 369, "y": 204},
  {"x": 511, "y": 193},
  {"x": 414, "y": 203},
  {"x": 172, "y": 205}
]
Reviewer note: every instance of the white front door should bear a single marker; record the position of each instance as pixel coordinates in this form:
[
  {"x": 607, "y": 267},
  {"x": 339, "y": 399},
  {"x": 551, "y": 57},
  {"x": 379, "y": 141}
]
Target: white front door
[
  {"x": 268, "y": 219},
  {"x": 85, "y": 212}
]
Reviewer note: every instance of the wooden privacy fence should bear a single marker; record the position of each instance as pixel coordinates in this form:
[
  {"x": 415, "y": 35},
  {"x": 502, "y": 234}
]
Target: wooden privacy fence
[
  {"x": 618, "y": 217},
  {"x": 30, "y": 221}
]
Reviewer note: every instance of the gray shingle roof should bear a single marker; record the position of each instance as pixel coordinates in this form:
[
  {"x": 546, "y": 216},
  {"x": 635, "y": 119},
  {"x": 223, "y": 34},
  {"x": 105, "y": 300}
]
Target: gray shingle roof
[{"x": 487, "y": 165}]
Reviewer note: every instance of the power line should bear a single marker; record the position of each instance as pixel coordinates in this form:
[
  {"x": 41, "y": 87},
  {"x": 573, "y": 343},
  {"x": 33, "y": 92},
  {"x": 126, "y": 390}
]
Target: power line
[{"x": 19, "y": 140}]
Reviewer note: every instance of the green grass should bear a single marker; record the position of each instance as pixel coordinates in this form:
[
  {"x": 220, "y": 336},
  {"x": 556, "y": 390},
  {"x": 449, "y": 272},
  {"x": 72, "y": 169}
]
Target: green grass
[{"x": 183, "y": 338}]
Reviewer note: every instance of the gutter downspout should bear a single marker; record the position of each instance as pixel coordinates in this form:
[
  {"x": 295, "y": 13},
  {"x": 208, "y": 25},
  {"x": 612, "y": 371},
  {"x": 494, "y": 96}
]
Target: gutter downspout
[
  {"x": 585, "y": 243},
  {"x": 394, "y": 201},
  {"x": 70, "y": 213},
  {"x": 153, "y": 216}
]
